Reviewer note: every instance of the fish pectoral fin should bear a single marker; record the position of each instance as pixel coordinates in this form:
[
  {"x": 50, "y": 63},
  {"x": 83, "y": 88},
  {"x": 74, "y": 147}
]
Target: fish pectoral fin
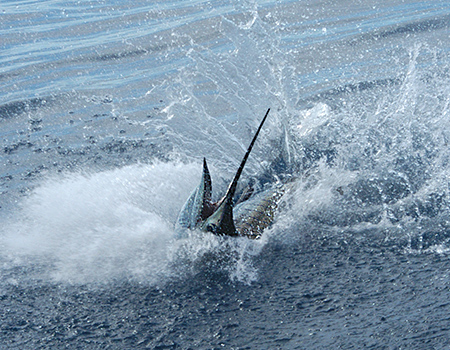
[{"x": 221, "y": 222}]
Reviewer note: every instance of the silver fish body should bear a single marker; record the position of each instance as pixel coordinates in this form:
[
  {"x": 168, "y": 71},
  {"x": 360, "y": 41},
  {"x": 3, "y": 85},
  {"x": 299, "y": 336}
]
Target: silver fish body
[
  {"x": 253, "y": 212},
  {"x": 257, "y": 213}
]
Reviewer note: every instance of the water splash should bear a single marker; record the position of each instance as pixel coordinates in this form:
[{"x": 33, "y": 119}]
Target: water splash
[
  {"x": 376, "y": 160},
  {"x": 368, "y": 155},
  {"x": 114, "y": 225}
]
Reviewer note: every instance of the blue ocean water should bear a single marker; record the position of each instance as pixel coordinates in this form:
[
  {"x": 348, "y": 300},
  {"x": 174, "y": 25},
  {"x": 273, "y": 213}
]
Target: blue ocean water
[{"x": 107, "y": 110}]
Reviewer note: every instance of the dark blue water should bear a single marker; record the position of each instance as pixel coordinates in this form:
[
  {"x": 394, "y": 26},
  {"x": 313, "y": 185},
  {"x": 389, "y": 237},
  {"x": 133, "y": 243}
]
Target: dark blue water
[{"x": 106, "y": 111}]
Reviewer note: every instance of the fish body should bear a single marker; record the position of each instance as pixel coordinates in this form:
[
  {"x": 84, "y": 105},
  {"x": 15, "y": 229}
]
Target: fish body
[
  {"x": 257, "y": 213},
  {"x": 248, "y": 216}
]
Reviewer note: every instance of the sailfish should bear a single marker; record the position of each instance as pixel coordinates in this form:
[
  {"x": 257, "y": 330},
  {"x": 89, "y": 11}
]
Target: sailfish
[{"x": 247, "y": 216}]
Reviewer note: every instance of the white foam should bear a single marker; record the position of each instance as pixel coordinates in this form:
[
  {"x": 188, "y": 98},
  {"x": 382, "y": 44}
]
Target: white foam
[{"x": 118, "y": 224}]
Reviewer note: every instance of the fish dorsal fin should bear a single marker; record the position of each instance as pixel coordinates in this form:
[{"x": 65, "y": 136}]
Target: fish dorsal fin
[
  {"x": 206, "y": 187},
  {"x": 198, "y": 206},
  {"x": 207, "y": 206},
  {"x": 221, "y": 222}
]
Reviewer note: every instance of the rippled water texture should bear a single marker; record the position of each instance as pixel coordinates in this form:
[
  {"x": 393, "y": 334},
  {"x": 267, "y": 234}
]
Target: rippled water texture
[{"x": 107, "y": 110}]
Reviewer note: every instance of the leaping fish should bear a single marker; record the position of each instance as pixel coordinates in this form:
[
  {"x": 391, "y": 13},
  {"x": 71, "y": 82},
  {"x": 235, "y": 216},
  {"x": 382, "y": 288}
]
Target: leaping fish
[{"x": 252, "y": 213}]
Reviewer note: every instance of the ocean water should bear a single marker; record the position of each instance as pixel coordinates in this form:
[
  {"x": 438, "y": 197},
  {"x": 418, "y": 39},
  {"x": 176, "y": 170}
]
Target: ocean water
[{"x": 107, "y": 109}]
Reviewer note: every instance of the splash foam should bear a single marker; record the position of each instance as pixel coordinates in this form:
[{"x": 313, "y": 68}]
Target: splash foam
[{"x": 114, "y": 225}]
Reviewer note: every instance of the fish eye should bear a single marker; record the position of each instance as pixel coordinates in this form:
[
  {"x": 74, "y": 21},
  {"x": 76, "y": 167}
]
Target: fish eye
[{"x": 211, "y": 228}]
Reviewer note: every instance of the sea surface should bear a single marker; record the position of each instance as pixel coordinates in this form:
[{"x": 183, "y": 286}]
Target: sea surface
[{"x": 107, "y": 109}]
